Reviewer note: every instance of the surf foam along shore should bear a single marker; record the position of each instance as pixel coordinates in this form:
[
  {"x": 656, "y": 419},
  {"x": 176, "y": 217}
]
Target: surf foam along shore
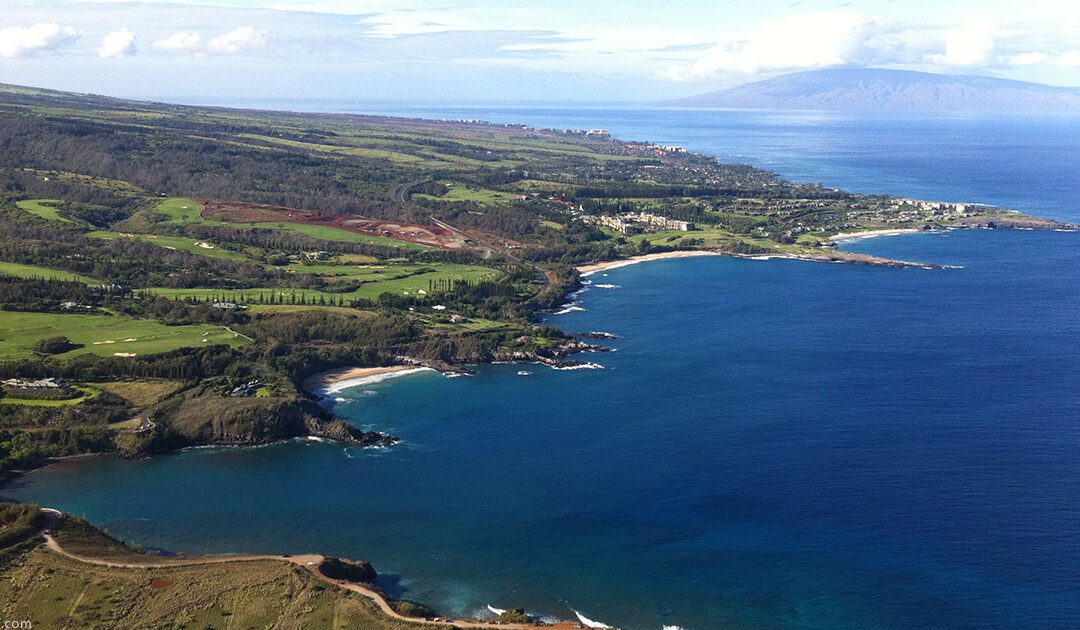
[
  {"x": 333, "y": 381},
  {"x": 855, "y": 236},
  {"x": 588, "y": 270}
]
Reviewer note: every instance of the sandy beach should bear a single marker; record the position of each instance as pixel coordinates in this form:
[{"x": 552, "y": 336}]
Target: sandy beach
[
  {"x": 852, "y": 236},
  {"x": 587, "y": 270},
  {"x": 333, "y": 381}
]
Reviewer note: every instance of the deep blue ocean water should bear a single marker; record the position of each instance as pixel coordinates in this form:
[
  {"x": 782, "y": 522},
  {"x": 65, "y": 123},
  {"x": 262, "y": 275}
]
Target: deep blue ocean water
[{"x": 772, "y": 444}]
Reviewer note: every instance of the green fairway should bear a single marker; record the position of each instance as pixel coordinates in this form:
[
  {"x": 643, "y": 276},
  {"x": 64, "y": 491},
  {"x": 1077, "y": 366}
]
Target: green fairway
[
  {"x": 106, "y": 335},
  {"x": 180, "y": 210},
  {"x": 87, "y": 393},
  {"x": 482, "y": 196},
  {"x": 183, "y": 211},
  {"x": 417, "y": 284},
  {"x": 44, "y": 208},
  {"x": 183, "y": 243},
  {"x": 334, "y": 234},
  {"x": 33, "y": 271},
  {"x": 366, "y": 272}
]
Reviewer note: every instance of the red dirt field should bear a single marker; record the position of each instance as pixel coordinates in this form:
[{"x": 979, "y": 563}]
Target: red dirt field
[{"x": 429, "y": 235}]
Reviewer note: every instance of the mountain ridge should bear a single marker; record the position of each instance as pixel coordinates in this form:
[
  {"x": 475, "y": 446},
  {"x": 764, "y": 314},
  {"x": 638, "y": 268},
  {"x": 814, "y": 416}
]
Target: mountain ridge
[{"x": 876, "y": 89}]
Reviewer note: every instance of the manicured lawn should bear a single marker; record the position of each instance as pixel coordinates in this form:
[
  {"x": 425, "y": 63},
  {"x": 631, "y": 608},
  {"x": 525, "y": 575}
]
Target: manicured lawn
[
  {"x": 411, "y": 285},
  {"x": 104, "y": 335},
  {"x": 483, "y": 196},
  {"x": 188, "y": 212},
  {"x": 367, "y": 272},
  {"x": 195, "y": 246},
  {"x": 44, "y": 208},
  {"x": 33, "y": 271},
  {"x": 335, "y": 234},
  {"x": 180, "y": 210},
  {"x": 31, "y": 402}
]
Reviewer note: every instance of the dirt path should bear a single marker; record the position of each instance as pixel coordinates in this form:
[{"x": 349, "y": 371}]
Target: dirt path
[{"x": 307, "y": 561}]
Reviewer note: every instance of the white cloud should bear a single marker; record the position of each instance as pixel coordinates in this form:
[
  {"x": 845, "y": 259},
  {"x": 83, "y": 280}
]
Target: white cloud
[
  {"x": 968, "y": 45},
  {"x": 238, "y": 40},
  {"x": 117, "y": 44},
  {"x": 16, "y": 41},
  {"x": 813, "y": 40},
  {"x": 1069, "y": 60},
  {"x": 397, "y": 23},
  {"x": 1027, "y": 59},
  {"x": 185, "y": 41}
]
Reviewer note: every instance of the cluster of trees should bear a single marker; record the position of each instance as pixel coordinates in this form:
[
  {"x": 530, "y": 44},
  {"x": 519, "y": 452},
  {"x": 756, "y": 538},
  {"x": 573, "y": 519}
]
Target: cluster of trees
[
  {"x": 127, "y": 262},
  {"x": 42, "y": 295}
]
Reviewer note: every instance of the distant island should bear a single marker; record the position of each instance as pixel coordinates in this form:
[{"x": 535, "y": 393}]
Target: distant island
[{"x": 874, "y": 89}]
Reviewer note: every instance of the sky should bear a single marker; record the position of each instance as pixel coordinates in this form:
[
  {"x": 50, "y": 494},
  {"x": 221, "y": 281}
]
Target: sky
[{"x": 509, "y": 50}]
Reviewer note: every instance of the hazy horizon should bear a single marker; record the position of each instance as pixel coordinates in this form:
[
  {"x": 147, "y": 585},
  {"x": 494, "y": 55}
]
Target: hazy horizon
[{"x": 480, "y": 50}]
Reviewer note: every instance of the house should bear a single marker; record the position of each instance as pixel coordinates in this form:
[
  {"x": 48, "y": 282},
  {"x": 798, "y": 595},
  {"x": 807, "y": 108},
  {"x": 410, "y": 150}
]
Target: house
[
  {"x": 75, "y": 306},
  {"x": 247, "y": 389},
  {"x": 228, "y": 306}
]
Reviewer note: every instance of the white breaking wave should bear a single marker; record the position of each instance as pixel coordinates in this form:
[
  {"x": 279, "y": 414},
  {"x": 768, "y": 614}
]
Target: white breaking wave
[
  {"x": 569, "y": 309},
  {"x": 607, "y": 286},
  {"x": 582, "y": 366},
  {"x": 341, "y": 400},
  {"x": 334, "y": 388},
  {"x": 589, "y": 623},
  {"x": 497, "y": 611},
  {"x": 674, "y": 628}
]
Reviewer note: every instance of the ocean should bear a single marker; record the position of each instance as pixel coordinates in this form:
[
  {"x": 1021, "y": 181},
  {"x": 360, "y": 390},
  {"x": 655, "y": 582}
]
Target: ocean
[{"x": 770, "y": 444}]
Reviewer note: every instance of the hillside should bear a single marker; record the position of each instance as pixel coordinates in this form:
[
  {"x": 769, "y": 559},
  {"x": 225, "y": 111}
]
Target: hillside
[
  {"x": 170, "y": 275},
  {"x": 869, "y": 89}
]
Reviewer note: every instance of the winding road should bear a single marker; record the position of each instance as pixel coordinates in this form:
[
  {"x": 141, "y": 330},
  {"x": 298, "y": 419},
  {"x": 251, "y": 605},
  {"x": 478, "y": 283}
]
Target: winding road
[{"x": 309, "y": 562}]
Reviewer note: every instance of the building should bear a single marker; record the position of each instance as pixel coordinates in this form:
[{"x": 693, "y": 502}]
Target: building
[
  {"x": 637, "y": 223},
  {"x": 247, "y": 389},
  {"x": 44, "y": 383},
  {"x": 661, "y": 223}
]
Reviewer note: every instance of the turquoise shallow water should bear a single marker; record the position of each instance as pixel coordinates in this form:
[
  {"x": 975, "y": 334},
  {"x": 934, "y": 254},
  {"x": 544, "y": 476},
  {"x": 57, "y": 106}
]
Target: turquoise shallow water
[{"x": 772, "y": 444}]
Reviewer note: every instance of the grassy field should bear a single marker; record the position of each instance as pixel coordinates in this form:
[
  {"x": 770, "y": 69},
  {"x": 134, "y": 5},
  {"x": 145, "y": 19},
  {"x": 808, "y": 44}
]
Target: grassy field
[
  {"x": 180, "y": 210},
  {"x": 103, "y": 334},
  {"x": 183, "y": 211},
  {"x": 87, "y": 393},
  {"x": 142, "y": 393},
  {"x": 33, "y": 271},
  {"x": 177, "y": 242},
  {"x": 365, "y": 272},
  {"x": 483, "y": 196},
  {"x": 44, "y": 208},
  {"x": 55, "y": 592},
  {"x": 411, "y": 285},
  {"x": 334, "y": 234}
]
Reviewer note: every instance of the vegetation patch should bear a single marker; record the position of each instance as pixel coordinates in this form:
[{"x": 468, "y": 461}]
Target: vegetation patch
[
  {"x": 18, "y": 270},
  {"x": 44, "y": 208},
  {"x": 104, "y": 335}
]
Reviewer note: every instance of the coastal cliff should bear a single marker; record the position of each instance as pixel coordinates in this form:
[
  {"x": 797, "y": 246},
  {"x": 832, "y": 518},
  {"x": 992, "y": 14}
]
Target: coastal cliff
[{"x": 205, "y": 421}]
